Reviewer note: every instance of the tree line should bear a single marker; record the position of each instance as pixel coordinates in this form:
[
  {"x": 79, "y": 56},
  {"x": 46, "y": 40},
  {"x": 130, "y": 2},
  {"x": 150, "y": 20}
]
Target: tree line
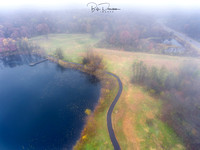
[
  {"x": 180, "y": 91},
  {"x": 130, "y": 31},
  {"x": 15, "y": 27},
  {"x": 22, "y": 44},
  {"x": 186, "y": 23}
]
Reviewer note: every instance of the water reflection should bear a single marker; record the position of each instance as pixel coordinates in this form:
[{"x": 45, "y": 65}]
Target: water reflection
[
  {"x": 14, "y": 60},
  {"x": 91, "y": 78},
  {"x": 43, "y": 107},
  {"x": 60, "y": 68}
]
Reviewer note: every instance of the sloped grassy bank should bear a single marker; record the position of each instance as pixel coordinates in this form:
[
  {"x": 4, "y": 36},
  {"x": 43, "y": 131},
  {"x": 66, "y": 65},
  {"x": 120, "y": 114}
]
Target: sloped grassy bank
[{"x": 96, "y": 123}]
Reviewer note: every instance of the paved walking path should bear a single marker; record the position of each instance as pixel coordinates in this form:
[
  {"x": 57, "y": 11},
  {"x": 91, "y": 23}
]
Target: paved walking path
[{"x": 109, "y": 120}]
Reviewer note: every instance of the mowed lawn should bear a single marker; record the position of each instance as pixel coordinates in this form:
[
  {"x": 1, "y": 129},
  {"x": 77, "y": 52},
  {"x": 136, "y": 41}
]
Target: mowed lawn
[{"x": 136, "y": 117}]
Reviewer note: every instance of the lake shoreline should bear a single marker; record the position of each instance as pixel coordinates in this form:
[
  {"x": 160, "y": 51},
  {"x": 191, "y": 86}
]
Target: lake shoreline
[
  {"x": 59, "y": 95},
  {"x": 108, "y": 89}
]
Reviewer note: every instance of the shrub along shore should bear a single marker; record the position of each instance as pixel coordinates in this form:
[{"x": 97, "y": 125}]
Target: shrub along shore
[{"x": 96, "y": 122}]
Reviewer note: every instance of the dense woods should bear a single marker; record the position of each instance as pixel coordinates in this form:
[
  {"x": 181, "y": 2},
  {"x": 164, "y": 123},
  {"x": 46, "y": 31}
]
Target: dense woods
[
  {"x": 29, "y": 24},
  {"x": 21, "y": 44},
  {"x": 181, "y": 94},
  {"x": 130, "y": 31},
  {"x": 16, "y": 28},
  {"x": 186, "y": 23},
  {"x": 125, "y": 31}
]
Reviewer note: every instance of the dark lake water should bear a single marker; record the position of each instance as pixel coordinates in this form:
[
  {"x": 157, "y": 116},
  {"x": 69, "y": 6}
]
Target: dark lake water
[{"x": 42, "y": 107}]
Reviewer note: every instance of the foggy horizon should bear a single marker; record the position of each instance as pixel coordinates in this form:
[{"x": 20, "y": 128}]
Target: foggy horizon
[
  {"x": 142, "y": 5},
  {"x": 135, "y": 80}
]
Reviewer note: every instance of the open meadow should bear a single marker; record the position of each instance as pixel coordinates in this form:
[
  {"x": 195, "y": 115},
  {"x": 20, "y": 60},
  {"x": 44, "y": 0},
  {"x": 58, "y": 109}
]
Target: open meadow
[{"x": 137, "y": 116}]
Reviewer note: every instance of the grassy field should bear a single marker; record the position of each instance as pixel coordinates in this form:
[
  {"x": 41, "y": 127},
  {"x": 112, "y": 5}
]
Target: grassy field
[
  {"x": 95, "y": 134},
  {"x": 136, "y": 117},
  {"x": 73, "y": 45}
]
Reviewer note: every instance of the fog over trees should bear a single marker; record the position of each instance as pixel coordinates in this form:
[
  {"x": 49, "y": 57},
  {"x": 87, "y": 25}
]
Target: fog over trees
[
  {"x": 129, "y": 31},
  {"x": 181, "y": 94},
  {"x": 125, "y": 31}
]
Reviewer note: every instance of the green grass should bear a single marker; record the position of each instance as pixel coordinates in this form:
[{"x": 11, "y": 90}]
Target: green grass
[
  {"x": 135, "y": 105},
  {"x": 154, "y": 133},
  {"x": 100, "y": 139},
  {"x": 72, "y": 44}
]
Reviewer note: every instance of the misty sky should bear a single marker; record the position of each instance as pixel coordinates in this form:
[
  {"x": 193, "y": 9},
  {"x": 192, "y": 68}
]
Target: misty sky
[{"x": 15, "y": 4}]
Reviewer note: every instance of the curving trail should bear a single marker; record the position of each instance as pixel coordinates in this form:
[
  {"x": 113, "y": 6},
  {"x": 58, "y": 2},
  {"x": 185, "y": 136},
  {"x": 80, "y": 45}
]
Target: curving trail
[{"x": 109, "y": 120}]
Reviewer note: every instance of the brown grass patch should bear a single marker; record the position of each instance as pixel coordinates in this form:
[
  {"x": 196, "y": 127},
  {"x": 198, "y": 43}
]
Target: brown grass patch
[{"x": 120, "y": 57}]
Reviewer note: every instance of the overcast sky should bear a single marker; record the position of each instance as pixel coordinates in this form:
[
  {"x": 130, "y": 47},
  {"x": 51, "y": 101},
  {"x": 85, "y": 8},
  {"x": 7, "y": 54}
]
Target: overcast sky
[{"x": 15, "y": 4}]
